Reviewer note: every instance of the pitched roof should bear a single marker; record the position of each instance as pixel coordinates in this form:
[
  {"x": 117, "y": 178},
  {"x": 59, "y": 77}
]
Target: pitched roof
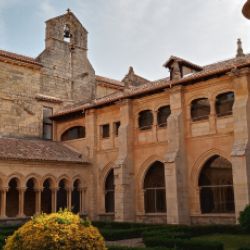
[
  {"x": 182, "y": 61},
  {"x": 37, "y": 150},
  {"x": 101, "y": 80},
  {"x": 208, "y": 71},
  {"x": 20, "y": 58}
]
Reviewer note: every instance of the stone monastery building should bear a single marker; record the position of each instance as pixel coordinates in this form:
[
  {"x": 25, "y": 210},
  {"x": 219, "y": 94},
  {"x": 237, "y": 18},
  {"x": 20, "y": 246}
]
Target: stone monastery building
[{"x": 175, "y": 150}]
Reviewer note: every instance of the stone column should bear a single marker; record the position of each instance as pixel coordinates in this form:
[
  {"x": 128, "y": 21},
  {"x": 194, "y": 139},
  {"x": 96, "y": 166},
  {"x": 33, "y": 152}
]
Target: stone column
[
  {"x": 212, "y": 117},
  {"x": 53, "y": 199},
  {"x": 69, "y": 198},
  {"x": 93, "y": 174},
  {"x": 21, "y": 191},
  {"x": 175, "y": 165},
  {"x": 241, "y": 147},
  {"x": 3, "y": 202},
  {"x": 124, "y": 172},
  {"x": 38, "y": 200}
]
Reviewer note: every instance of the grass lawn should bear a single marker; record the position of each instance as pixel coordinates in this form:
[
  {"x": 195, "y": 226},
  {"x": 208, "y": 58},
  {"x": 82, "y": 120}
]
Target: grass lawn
[{"x": 231, "y": 242}]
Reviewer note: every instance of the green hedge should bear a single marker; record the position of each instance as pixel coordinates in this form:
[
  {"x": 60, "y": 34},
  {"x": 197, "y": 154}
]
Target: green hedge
[
  {"x": 120, "y": 225},
  {"x": 121, "y": 234},
  {"x": 181, "y": 244},
  {"x": 135, "y": 248}
]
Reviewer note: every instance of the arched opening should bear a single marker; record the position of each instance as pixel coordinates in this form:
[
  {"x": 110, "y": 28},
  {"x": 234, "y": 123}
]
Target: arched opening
[
  {"x": 30, "y": 198},
  {"x": 74, "y": 133},
  {"x": 12, "y": 198},
  {"x": 224, "y": 104},
  {"x": 162, "y": 116},
  {"x": 76, "y": 197},
  {"x": 216, "y": 186},
  {"x": 154, "y": 189},
  {"x": 110, "y": 193},
  {"x": 46, "y": 196},
  {"x": 61, "y": 195},
  {"x": 145, "y": 119},
  {"x": 200, "y": 109}
]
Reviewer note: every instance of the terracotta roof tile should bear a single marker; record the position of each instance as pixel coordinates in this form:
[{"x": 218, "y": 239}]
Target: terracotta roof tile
[
  {"x": 208, "y": 71},
  {"x": 111, "y": 82},
  {"x": 20, "y": 58},
  {"x": 37, "y": 150}
]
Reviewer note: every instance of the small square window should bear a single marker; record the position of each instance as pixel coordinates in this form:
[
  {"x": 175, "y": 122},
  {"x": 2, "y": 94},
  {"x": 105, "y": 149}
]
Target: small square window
[
  {"x": 105, "y": 131},
  {"x": 116, "y": 128}
]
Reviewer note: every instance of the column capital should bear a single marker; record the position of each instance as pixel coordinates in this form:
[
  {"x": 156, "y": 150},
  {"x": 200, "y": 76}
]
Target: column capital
[
  {"x": 38, "y": 189},
  {"x": 4, "y": 189},
  {"x": 21, "y": 189}
]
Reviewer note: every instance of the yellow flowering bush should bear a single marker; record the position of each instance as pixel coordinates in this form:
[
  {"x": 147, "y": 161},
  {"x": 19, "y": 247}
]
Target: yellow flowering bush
[{"x": 57, "y": 231}]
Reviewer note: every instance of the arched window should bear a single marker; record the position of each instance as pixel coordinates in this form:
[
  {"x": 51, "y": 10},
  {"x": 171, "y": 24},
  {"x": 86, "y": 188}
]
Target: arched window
[
  {"x": 12, "y": 199},
  {"x": 145, "y": 119},
  {"x": 76, "y": 197},
  {"x": 154, "y": 189},
  {"x": 216, "y": 186},
  {"x": 200, "y": 109},
  {"x": 224, "y": 104},
  {"x": 162, "y": 115},
  {"x": 61, "y": 196},
  {"x": 30, "y": 198},
  {"x": 110, "y": 193},
  {"x": 73, "y": 133},
  {"x": 46, "y": 196}
]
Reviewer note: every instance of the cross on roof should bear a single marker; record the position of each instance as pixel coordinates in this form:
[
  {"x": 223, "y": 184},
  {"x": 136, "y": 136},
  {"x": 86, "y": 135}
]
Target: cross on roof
[{"x": 68, "y": 10}]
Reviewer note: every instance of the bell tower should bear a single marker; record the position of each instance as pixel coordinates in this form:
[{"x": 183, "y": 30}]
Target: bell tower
[
  {"x": 66, "y": 28},
  {"x": 68, "y": 74}
]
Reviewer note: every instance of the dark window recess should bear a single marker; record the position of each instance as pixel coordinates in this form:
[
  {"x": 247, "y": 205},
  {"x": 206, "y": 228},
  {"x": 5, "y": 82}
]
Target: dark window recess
[
  {"x": 154, "y": 189},
  {"x": 200, "y": 109},
  {"x": 105, "y": 131},
  {"x": 110, "y": 193},
  {"x": 74, "y": 133},
  {"x": 224, "y": 104},
  {"x": 47, "y": 123},
  {"x": 145, "y": 119},
  {"x": 216, "y": 186},
  {"x": 162, "y": 116},
  {"x": 116, "y": 128}
]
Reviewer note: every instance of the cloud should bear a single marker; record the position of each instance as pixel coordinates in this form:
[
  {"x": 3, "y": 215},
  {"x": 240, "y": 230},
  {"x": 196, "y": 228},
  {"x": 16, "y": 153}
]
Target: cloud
[{"x": 47, "y": 10}]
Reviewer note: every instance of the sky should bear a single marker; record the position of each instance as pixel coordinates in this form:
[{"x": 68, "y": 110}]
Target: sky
[{"x": 138, "y": 33}]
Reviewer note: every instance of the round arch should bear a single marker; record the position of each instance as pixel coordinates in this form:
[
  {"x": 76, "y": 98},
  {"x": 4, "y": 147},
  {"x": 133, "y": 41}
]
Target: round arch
[{"x": 51, "y": 178}]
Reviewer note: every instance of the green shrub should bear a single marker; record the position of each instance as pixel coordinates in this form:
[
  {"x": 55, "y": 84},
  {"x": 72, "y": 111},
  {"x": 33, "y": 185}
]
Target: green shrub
[
  {"x": 244, "y": 248},
  {"x": 181, "y": 244},
  {"x": 62, "y": 230},
  {"x": 135, "y": 248},
  {"x": 122, "y": 234},
  {"x": 245, "y": 219}
]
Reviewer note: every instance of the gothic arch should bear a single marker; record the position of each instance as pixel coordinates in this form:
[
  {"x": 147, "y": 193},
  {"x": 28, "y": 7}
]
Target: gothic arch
[
  {"x": 144, "y": 167},
  {"x": 199, "y": 163},
  {"x": 104, "y": 173}
]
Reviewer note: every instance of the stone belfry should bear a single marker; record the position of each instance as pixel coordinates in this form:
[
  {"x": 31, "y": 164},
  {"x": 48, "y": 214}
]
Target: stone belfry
[{"x": 66, "y": 65}]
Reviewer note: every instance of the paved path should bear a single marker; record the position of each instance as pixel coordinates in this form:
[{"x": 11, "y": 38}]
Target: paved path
[{"x": 128, "y": 243}]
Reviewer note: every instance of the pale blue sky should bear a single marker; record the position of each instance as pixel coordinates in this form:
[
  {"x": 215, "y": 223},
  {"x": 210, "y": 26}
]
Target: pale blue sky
[{"x": 141, "y": 33}]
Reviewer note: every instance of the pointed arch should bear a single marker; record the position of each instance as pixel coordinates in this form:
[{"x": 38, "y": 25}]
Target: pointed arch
[
  {"x": 216, "y": 186},
  {"x": 199, "y": 163}
]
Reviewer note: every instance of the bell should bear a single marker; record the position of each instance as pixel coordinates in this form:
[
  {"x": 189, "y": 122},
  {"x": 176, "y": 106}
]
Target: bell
[
  {"x": 67, "y": 32},
  {"x": 246, "y": 9}
]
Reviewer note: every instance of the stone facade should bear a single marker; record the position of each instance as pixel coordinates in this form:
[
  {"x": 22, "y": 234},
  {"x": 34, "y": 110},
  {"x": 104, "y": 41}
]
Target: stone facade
[{"x": 127, "y": 132}]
